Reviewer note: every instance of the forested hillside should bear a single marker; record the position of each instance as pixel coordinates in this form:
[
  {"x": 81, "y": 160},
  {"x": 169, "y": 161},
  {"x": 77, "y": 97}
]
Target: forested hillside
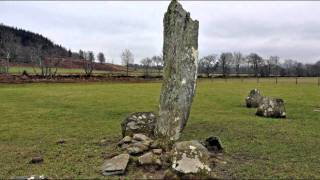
[{"x": 21, "y": 45}]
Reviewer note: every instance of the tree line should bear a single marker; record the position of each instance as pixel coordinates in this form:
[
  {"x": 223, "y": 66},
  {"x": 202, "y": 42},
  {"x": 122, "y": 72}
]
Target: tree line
[{"x": 236, "y": 64}]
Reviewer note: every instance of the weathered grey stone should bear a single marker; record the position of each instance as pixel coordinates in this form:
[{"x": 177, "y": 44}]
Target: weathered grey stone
[
  {"x": 116, "y": 165},
  {"x": 180, "y": 54},
  {"x": 190, "y": 157},
  {"x": 254, "y": 98},
  {"x": 139, "y": 122},
  {"x": 213, "y": 144},
  {"x": 271, "y": 107},
  {"x": 149, "y": 159}
]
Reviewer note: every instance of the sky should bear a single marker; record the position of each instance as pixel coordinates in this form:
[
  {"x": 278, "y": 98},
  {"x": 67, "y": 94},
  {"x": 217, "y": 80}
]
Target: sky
[{"x": 288, "y": 29}]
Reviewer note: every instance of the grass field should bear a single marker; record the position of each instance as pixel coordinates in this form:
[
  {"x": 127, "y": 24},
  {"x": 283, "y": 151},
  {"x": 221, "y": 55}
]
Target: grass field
[{"x": 34, "y": 116}]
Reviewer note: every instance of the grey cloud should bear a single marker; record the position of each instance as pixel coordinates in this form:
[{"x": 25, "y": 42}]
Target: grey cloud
[{"x": 288, "y": 29}]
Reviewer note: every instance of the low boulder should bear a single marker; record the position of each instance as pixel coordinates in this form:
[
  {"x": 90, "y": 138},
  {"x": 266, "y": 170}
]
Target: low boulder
[
  {"x": 116, "y": 165},
  {"x": 190, "y": 157},
  {"x": 139, "y": 122},
  {"x": 213, "y": 144},
  {"x": 271, "y": 107},
  {"x": 254, "y": 98}
]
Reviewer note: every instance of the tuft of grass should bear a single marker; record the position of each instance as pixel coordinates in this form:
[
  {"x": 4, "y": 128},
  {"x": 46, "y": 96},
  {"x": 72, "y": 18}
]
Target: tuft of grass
[{"x": 34, "y": 116}]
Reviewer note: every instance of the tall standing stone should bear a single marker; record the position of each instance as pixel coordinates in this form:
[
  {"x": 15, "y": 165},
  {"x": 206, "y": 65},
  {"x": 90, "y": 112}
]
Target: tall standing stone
[{"x": 180, "y": 53}]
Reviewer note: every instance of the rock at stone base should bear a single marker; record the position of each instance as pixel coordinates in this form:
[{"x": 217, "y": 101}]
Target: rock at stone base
[
  {"x": 139, "y": 122},
  {"x": 126, "y": 139},
  {"x": 140, "y": 137},
  {"x": 254, "y": 98},
  {"x": 149, "y": 159},
  {"x": 213, "y": 144},
  {"x": 116, "y": 165},
  {"x": 190, "y": 157},
  {"x": 157, "y": 151},
  {"x": 271, "y": 107},
  {"x": 136, "y": 148},
  {"x": 36, "y": 160}
]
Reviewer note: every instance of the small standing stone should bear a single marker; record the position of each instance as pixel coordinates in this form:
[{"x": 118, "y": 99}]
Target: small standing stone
[
  {"x": 116, "y": 165},
  {"x": 254, "y": 98}
]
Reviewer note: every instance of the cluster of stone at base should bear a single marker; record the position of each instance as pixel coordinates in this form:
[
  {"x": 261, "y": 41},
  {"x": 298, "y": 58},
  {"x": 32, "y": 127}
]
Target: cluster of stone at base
[
  {"x": 266, "y": 106},
  {"x": 186, "y": 157}
]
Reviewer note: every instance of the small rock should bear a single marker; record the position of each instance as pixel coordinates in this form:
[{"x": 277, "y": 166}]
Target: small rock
[
  {"x": 35, "y": 160},
  {"x": 126, "y": 139},
  {"x": 136, "y": 148},
  {"x": 124, "y": 146},
  {"x": 149, "y": 159},
  {"x": 61, "y": 141},
  {"x": 254, "y": 98},
  {"x": 116, "y": 165},
  {"x": 108, "y": 155},
  {"x": 141, "y": 137},
  {"x": 157, "y": 151},
  {"x": 155, "y": 145},
  {"x": 147, "y": 143},
  {"x": 213, "y": 144}
]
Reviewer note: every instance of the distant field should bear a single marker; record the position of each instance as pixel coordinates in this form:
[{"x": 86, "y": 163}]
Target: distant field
[
  {"x": 34, "y": 116},
  {"x": 20, "y": 69}
]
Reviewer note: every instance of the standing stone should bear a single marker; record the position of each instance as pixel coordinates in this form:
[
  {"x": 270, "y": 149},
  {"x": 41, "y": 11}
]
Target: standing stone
[
  {"x": 254, "y": 98},
  {"x": 180, "y": 53},
  {"x": 271, "y": 107}
]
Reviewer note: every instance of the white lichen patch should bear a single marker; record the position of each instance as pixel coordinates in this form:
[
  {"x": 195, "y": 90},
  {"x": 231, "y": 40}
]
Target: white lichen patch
[
  {"x": 192, "y": 147},
  {"x": 189, "y": 165},
  {"x": 183, "y": 82}
]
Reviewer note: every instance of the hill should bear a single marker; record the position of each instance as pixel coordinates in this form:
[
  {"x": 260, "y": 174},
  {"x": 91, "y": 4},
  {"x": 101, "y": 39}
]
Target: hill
[{"x": 20, "y": 44}]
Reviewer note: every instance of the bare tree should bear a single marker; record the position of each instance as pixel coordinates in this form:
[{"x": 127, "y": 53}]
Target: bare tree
[
  {"x": 88, "y": 63},
  {"x": 208, "y": 64},
  {"x": 237, "y": 60},
  {"x": 47, "y": 61},
  {"x": 7, "y": 50},
  {"x": 256, "y": 61},
  {"x": 224, "y": 62},
  {"x": 158, "y": 62},
  {"x": 127, "y": 59},
  {"x": 146, "y": 62},
  {"x": 101, "y": 58}
]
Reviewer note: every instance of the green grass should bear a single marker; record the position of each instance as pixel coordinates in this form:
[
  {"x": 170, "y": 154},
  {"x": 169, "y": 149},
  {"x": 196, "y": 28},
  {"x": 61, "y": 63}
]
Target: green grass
[{"x": 34, "y": 116}]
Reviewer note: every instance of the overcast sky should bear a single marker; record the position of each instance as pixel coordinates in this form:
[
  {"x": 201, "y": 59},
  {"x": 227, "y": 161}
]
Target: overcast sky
[{"x": 287, "y": 29}]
